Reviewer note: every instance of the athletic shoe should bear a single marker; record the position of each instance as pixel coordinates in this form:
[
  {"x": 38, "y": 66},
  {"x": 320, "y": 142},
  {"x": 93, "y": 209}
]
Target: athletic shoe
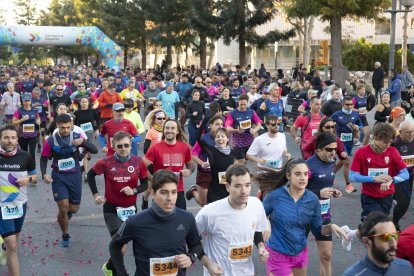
[
  {"x": 189, "y": 193},
  {"x": 106, "y": 270},
  {"x": 2, "y": 253},
  {"x": 346, "y": 244},
  {"x": 357, "y": 144},
  {"x": 65, "y": 240},
  {"x": 350, "y": 188}
]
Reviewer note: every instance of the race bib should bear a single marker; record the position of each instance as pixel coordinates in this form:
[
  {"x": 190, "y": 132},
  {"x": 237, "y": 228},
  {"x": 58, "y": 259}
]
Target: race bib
[
  {"x": 124, "y": 213},
  {"x": 12, "y": 211},
  {"x": 207, "y": 105},
  {"x": 346, "y": 137},
  {"x": 377, "y": 171},
  {"x": 240, "y": 252},
  {"x": 314, "y": 131},
  {"x": 222, "y": 177},
  {"x": 28, "y": 127},
  {"x": 325, "y": 205},
  {"x": 152, "y": 99},
  {"x": 246, "y": 124},
  {"x": 362, "y": 110},
  {"x": 66, "y": 164},
  {"x": 408, "y": 160},
  {"x": 87, "y": 127},
  {"x": 273, "y": 163},
  {"x": 163, "y": 266},
  {"x": 39, "y": 108}
]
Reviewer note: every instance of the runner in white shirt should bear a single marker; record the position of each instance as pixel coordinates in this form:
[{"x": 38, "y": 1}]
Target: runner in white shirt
[
  {"x": 231, "y": 225},
  {"x": 268, "y": 149}
]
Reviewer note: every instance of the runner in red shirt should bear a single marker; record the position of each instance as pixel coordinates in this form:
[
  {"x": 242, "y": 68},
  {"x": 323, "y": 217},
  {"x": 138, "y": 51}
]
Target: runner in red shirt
[
  {"x": 174, "y": 154},
  {"x": 378, "y": 166},
  {"x": 118, "y": 123},
  {"x": 121, "y": 173}
]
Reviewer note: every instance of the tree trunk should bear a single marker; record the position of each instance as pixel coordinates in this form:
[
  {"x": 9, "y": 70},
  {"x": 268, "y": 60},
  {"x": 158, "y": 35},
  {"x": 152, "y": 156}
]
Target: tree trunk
[
  {"x": 307, "y": 39},
  {"x": 125, "y": 55},
  {"x": 336, "y": 51},
  {"x": 211, "y": 57},
  {"x": 169, "y": 55},
  {"x": 404, "y": 44},
  {"x": 203, "y": 51},
  {"x": 242, "y": 39},
  {"x": 155, "y": 57},
  {"x": 144, "y": 54},
  {"x": 301, "y": 46}
]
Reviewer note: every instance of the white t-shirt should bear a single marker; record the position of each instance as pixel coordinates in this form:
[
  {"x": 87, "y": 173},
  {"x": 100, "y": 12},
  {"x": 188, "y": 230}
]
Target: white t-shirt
[
  {"x": 252, "y": 98},
  {"x": 269, "y": 149},
  {"x": 227, "y": 231}
]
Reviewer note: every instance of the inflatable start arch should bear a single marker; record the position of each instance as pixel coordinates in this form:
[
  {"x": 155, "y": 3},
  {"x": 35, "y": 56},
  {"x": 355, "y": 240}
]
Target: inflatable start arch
[{"x": 65, "y": 36}]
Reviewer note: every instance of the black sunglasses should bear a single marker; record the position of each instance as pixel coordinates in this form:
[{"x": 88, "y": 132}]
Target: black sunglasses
[
  {"x": 349, "y": 104},
  {"x": 330, "y": 127},
  {"x": 329, "y": 149},
  {"x": 161, "y": 118},
  {"x": 120, "y": 146},
  {"x": 274, "y": 124}
]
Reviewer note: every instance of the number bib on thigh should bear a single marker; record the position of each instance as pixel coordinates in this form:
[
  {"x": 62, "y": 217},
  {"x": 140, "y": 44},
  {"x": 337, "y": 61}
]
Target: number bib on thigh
[
  {"x": 377, "y": 171},
  {"x": 346, "y": 137},
  {"x": 87, "y": 127},
  {"x": 12, "y": 211},
  {"x": 66, "y": 164},
  {"x": 28, "y": 128},
  {"x": 163, "y": 266},
  {"x": 240, "y": 252},
  {"x": 124, "y": 213}
]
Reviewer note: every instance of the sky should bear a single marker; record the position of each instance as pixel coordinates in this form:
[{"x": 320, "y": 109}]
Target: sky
[{"x": 7, "y": 7}]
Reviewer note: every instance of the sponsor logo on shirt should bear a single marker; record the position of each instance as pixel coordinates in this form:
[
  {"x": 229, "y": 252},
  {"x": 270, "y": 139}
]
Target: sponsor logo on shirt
[{"x": 180, "y": 228}]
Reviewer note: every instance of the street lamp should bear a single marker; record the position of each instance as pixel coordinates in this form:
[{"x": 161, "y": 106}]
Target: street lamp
[{"x": 407, "y": 4}]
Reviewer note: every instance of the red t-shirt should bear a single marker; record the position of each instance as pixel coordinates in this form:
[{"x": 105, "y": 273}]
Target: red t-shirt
[
  {"x": 367, "y": 162},
  {"x": 170, "y": 157},
  {"x": 405, "y": 246},
  {"x": 119, "y": 175},
  {"x": 311, "y": 129},
  {"x": 111, "y": 127}
]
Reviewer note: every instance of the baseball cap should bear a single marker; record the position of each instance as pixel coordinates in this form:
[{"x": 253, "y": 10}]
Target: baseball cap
[
  {"x": 26, "y": 97},
  {"x": 118, "y": 107},
  {"x": 129, "y": 102}
]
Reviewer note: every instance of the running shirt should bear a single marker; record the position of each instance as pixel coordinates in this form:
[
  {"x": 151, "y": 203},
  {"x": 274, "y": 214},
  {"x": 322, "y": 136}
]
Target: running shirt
[
  {"x": 42, "y": 107},
  {"x": 154, "y": 238},
  {"x": 229, "y": 234},
  {"x": 361, "y": 105},
  {"x": 242, "y": 120},
  {"x": 111, "y": 127},
  {"x": 170, "y": 157},
  {"x": 269, "y": 149},
  {"x": 406, "y": 151},
  {"x": 367, "y": 162},
  {"x": 311, "y": 126},
  {"x": 28, "y": 128},
  {"x": 12, "y": 168},
  {"x": 343, "y": 121},
  {"x": 168, "y": 101},
  {"x": 119, "y": 175},
  {"x": 154, "y": 136}
]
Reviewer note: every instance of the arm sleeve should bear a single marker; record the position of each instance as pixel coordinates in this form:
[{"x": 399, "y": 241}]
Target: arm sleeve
[
  {"x": 193, "y": 239},
  {"x": 258, "y": 238},
  {"x": 403, "y": 175},
  {"x": 43, "y": 164},
  {"x": 92, "y": 181},
  {"x": 143, "y": 185},
  {"x": 147, "y": 144},
  {"x": 89, "y": 146},
  {"x": 122, "y": 237},
  {"x": 357, "y": 177},
  {"x": 101, "y": 139},
  {"x": 316, "y": 222}
]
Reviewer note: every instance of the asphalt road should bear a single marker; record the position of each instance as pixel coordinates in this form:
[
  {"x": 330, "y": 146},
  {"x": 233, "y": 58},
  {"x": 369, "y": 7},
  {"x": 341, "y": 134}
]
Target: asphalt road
[{"x": 40, "y": 253}]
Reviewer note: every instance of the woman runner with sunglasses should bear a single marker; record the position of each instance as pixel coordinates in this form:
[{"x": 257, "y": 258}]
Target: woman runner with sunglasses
[
  {"x": 121, "y": 173},
  {"x": 286, "y": 190}
]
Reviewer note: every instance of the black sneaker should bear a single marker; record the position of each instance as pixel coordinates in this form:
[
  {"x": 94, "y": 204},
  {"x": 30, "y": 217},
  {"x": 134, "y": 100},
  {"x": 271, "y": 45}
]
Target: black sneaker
[{"x": 189, "y": 193}]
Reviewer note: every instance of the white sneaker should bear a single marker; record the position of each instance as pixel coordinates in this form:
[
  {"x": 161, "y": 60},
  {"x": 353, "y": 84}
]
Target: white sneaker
[
  {"x": 346, "y": 244},
  {"x": 2, "y": 253}
]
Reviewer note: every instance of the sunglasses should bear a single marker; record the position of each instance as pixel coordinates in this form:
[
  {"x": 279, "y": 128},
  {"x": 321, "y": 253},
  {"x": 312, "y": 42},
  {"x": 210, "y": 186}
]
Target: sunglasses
[
  {"x": 350, "y": 104},
  {"x": 329, "y": 149},
  {"x": 254, "y": 88},
  {"x": 81, "y": 86},
  {"x": 274, "y": 124},
  {"x": 120, "y": 146},
  {"x": 386, "y": 237},
  {"x": 208, "y": 82},
  {"x": 330, "y": 127},
  {"x": 128, "y": 106},
  {"x": 161, "y": 118},
  {"x": 59, "y": 89}
]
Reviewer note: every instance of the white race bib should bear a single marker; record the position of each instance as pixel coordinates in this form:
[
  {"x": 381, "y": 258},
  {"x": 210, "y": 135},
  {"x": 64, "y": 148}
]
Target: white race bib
[
  {"x": 206, "y": 105},
  {"x": 246, "y": 124},
  {"x": 28, "y": 128},
  {"x": 163, "y": 266},
  {"x": 314, "y": 131},
  {"x": 87, "y": 127},
  {"x": 66, "y": 164},
  {"x": 12, "y": 211},
  {"x": 124, "y": 213},
  {"x": 325, "y": 205},
  {"x": 377, "y": 171},
  {"x": 240, "y": 252},
  {"x": 222, "y": 177},
  {"x": 273, "y": 163},
  {"x": 39, "y": 108},
  {"x": 362, "y": 110},
  {"x": 346, "y": 137}
]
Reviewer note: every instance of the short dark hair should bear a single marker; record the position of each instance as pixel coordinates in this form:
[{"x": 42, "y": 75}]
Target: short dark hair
[
  {"x": 63, "y": 119},
  {"x": 375, "y": 217},
  {"x": 7, "y": 127},
  {"x": 271, "y": 117},
  {"x": 313, "y": 98},
  {"x": 346, "y": 98},
  {"x": 215, "y": 118},
  {"x": 162, "y": 177},
  {"x": 119, "y": 135},
  {"x": 384, "y": 132},
  {"x": 243, "y": 97},
  {"x": 236, "y": 170}
]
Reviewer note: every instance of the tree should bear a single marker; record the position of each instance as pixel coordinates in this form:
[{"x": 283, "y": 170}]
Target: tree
[
  {"x": 238, "y": 19},
  {"x": 334, "y": 11}
]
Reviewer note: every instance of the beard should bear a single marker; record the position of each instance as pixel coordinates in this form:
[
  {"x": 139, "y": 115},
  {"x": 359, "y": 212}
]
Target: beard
[{"x": 382, "y": 256}]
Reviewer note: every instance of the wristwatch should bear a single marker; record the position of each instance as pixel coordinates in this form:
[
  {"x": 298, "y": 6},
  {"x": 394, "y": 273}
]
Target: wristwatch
[
  {"x": 135, "y": 190},
  {"x": 192, "y": 256}
]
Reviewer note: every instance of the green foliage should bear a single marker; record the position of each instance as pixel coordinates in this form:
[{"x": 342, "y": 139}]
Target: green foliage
[{"x": 370, "y": 9}]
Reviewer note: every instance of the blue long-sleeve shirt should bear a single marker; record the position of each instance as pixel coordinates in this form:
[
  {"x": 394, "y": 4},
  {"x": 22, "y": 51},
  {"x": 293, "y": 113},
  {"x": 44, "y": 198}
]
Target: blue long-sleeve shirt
[
  {"x": 288, "y": 220},
  {"x": 394, "y": 88},
  {"x": 366, "y": 267}
]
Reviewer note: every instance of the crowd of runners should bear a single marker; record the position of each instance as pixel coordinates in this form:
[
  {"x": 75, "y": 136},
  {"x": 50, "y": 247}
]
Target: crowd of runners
[{"x": 158, "y": 127}]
